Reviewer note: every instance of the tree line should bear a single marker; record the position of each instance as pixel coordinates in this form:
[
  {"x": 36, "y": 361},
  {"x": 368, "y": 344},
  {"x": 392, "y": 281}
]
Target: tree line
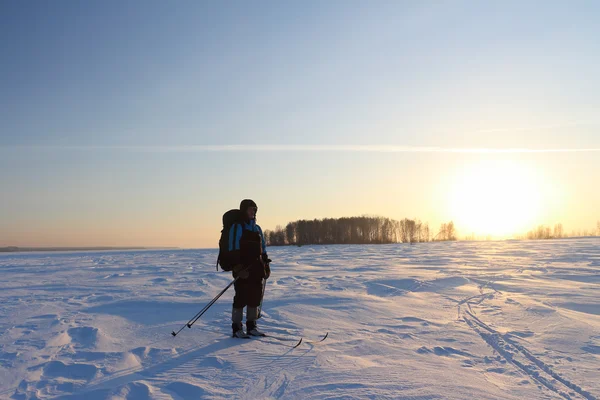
[
  {"x": 356, "y": 230},
  {"x": 557, "y": 232}
]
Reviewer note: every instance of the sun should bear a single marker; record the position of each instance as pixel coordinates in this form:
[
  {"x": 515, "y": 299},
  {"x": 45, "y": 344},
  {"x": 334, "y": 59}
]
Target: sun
[{"x": 495, "y": 198}]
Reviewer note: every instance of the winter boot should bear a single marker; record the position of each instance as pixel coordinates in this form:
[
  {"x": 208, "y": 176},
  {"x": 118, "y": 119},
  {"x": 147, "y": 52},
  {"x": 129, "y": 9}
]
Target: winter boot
[
  {"x": 238, "y": 331},
  {"x": 251, "y": 328},
  {"x": 236, "y": 326}
]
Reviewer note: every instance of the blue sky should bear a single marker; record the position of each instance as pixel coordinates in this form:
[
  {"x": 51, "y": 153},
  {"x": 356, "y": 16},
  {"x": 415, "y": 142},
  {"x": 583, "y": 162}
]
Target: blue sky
[{"x": 451, "y": 74}]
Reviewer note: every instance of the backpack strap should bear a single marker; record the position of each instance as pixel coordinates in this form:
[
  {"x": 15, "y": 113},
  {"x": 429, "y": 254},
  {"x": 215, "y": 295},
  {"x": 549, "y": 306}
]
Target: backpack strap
[{"x": 235, "y": 227}]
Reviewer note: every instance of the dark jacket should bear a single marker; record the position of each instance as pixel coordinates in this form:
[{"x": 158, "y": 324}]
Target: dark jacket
[{"x": 247, "y": 240}]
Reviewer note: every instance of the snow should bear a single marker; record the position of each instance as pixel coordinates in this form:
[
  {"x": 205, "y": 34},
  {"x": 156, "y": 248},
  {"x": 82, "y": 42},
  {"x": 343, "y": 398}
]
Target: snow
[{"x": 485, "y": 320}]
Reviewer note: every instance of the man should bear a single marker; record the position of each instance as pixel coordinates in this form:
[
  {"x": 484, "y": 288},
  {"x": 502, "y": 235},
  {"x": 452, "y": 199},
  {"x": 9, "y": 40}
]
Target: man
[{"x": 247, "y": 242}]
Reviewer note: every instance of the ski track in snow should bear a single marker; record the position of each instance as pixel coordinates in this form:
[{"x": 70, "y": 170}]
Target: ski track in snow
[{"x": 486, "y": 320}]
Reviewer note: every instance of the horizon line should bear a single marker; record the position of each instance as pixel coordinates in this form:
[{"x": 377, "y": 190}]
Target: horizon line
[
  {"x": 297, "y": 148},
  {"x": 463, "y": 238}
]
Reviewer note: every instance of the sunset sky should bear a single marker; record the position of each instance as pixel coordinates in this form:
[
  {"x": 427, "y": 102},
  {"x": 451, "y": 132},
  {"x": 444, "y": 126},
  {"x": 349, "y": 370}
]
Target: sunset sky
[{"x": 141, "y": 122}]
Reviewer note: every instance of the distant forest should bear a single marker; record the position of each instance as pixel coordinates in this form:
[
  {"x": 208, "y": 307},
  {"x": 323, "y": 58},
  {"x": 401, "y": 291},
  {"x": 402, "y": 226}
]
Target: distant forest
[
  {"x": 357, "y": 230},
  {"x": 379, "y": 230},
  {"x": 558, "y": 232}
]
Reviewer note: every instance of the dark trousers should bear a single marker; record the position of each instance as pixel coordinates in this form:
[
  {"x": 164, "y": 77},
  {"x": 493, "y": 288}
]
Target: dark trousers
[{"x": 248, "y": 292}]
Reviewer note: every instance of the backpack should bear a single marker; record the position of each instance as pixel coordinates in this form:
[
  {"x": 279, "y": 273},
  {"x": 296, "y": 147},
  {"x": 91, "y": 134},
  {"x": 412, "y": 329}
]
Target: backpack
[{"x": 225, "y": 258}]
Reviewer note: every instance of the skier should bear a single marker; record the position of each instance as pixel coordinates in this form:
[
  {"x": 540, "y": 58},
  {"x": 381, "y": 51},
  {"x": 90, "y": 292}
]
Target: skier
[{"x": 247, "y": 243}]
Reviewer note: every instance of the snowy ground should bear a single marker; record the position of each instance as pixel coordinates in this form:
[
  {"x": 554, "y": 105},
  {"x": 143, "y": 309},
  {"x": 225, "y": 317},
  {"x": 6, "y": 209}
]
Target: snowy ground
[{"x": 509, "y": 320}]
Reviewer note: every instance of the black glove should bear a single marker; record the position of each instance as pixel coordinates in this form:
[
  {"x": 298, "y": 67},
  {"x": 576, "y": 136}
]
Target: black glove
[
  {"x": 267, "y": 271},
  {"x": 241, "y": 271},
  {"x": 266, "y": 259}
]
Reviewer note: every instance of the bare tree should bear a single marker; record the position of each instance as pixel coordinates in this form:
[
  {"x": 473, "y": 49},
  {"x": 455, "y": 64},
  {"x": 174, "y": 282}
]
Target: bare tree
[
  {"x": 412, "y": 230},
  {"x": 451, "y": 231},
  {"x": 426, "y": 234},
  {"x": 441, "y": 235},
  {"x": 546, "y": 232},
  {"x": 268, "y": 235},
  {"x": 290, "y": 233},
  {"x": 403, "y": 231},
  {"x": 447, "y": 232},
  {"x": 558, "y": 231}
]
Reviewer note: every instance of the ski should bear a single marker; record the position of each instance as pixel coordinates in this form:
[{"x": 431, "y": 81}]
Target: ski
[
  {"x": 318, "y": 340},
  {"x": 281, "y": 338},
  {"x": 294, "y": 342}
]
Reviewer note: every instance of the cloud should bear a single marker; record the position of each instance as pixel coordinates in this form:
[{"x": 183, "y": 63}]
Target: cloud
[
  {"x": 303, "y": 148},
  {"x": 540, "y": 127}
]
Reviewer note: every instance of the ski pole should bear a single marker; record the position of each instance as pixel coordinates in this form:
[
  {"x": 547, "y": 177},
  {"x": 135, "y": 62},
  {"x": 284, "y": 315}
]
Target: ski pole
[
  {"x": 189, "y": 325},
  {"x": 262, "y": 297},
  {"x": 206, "y": 307}
]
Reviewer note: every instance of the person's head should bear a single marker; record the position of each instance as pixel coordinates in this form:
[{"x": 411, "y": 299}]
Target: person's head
[{"x": 249, "y": 209}]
